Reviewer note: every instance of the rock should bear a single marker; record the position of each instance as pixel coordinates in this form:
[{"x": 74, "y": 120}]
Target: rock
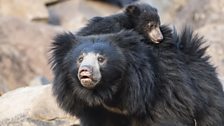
[
  {"x": 24, "y": 50},
  {"x": 213, "y": 33},
  {"x": 25, "y": 9},
  {"x": 73, "y": 14},
  {"x": 40, "y": 80},
  {"x": 196, "y": 15},
  {"x": 50, "y": 1},
  {"x": 33, "y": 106},
  {"x": 167, "y": 9},
  {"x": 189, "y": 12},
  {"x": 3, "y": 86}
]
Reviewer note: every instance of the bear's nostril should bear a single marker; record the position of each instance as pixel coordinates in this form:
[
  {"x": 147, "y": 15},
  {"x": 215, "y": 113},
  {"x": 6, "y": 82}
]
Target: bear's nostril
[{"x": 85, "y": 69}]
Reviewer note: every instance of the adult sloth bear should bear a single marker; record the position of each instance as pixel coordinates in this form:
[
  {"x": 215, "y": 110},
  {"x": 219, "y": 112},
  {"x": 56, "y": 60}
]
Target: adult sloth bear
[{"x": 117, "y": 80}]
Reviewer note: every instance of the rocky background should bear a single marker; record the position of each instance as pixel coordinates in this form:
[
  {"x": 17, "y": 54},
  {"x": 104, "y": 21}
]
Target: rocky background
[{"x": 26, "y": 31}]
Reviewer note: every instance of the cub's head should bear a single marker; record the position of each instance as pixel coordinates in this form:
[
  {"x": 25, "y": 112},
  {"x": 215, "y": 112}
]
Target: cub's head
[
  {"x": 89, "y": 68},
  {"x": 146, "y": 21}
]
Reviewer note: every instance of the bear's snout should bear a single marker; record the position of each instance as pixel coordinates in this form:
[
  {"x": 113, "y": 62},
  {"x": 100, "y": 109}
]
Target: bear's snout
[{"x": 86, "y": 77}]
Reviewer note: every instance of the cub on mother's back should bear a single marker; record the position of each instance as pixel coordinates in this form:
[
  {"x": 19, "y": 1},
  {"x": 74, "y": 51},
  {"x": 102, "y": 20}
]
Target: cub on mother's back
[{"x": 141, "y": 17}]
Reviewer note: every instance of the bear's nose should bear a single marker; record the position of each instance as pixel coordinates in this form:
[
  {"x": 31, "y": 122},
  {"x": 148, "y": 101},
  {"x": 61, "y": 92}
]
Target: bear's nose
[
  {"x": 85, "y": 72},
  {"x": 86, "y": 69}
]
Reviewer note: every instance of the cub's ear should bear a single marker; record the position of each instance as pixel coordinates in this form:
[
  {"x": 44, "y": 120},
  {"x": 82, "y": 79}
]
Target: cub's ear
[{"x": 132, "y": 10}]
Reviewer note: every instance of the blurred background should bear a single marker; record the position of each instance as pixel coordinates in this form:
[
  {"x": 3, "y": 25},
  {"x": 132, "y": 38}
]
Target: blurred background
[{"x": 28, "y": 26}]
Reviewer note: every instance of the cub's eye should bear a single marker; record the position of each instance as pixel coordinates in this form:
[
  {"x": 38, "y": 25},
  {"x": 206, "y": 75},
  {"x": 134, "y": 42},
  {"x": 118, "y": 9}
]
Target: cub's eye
[
  {"x": 152, "y": 25},
  {"x": 101, "y": 59},
  {"x": 80, "y": 59}
]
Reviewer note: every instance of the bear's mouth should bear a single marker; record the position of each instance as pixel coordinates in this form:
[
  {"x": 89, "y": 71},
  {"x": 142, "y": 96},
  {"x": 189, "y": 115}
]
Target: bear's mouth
[
  {"x": 155, "y": 35},
  {"x": 86, "y": 80}
]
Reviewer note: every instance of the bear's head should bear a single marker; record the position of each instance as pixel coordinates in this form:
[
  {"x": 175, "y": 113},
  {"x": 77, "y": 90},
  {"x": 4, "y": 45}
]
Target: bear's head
[
  {"x": 102, "y": 69},
  {"x": 146, "y": 20},
  {"x": 92, "y": 67},
  {"x": 94, "y": 63}
]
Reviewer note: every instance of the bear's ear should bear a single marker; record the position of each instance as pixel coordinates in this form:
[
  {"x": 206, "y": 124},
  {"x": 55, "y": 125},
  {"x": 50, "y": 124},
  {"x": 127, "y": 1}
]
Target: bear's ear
[
  {"x": 64, "y": 42},
  {"x": 61, "y": 45},
  {"x": 132, "y": 10}
]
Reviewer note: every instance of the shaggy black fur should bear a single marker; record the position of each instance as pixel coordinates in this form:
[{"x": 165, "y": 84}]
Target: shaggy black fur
[
  {"x": 136, "y": 16},
  {"x": 155, "y": 85}
]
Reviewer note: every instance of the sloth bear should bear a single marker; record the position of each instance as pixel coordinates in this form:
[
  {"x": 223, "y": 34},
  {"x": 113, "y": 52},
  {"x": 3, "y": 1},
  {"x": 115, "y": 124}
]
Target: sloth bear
[
  {"x": 117, "y": 80},
  {"x": 140, "y": 17}
]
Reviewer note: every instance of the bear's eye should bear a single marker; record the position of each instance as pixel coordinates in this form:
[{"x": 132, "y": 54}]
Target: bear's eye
[
  {"x": 101, "y": 59},
  {"x": 80, "y": 59},
  {"x": 150, "y": 25}
]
